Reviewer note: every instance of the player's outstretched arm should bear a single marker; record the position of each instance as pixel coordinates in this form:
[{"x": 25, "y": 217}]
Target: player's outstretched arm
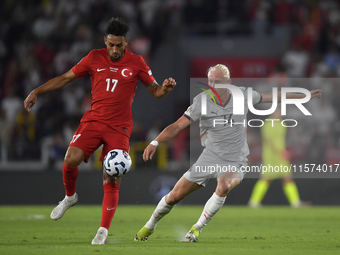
[
  {"x": 160, "y": 91},
  {"x": 53, "y": 84},
  {"x": 268, "y": 97},
  {"x": 169, "y": 132}
]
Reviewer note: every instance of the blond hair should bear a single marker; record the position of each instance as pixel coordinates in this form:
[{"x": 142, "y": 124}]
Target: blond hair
[{"x": 222, "y": 68}]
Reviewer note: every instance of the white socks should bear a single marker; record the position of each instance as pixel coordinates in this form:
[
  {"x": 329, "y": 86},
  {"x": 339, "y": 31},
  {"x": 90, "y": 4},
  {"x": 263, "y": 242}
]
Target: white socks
[
  {"x": 161, "y": 210},
  {"x": 212, "y": 206},
  {"x": 71, "y": 197}
]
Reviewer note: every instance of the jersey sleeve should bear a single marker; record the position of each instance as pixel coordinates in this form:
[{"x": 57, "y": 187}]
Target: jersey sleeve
[
  {"x": 83, "y": 67},
  {"x": 145, "y": 74},
  {"x": 257, "y": 98},
  {"x": 193, "y": 112}
]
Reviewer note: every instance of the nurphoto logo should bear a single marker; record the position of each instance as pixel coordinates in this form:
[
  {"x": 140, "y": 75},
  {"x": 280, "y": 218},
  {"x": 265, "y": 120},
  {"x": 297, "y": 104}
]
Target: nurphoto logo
[{"x": 238, "y": 104}]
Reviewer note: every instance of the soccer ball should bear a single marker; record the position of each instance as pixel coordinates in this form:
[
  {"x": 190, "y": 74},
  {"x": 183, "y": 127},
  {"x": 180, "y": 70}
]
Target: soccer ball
[{"x": 117, "y": 163}]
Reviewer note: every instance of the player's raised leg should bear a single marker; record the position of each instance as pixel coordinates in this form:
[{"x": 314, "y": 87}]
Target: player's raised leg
[
  {"x": 74, "y": 156},
  {"x": 225, "y": 183},
  {"x": 111, "y": 186},
  {"x": 182, "y": 188}
]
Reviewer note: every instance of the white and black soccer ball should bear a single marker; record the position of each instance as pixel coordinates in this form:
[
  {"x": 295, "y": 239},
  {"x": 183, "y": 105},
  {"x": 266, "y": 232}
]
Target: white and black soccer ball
[{"x": 117, "y": 162}]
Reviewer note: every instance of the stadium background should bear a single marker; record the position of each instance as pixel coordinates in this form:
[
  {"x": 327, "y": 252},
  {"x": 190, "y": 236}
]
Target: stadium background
[{"x": 178, "y": 38}]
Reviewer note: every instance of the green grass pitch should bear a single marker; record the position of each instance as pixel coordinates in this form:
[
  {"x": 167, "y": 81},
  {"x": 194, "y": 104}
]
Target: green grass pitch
[{"x": 234, "y": 230}]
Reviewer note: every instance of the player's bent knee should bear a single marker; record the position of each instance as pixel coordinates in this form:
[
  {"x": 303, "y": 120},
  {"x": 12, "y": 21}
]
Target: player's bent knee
[
  {"x": 107, "y": 178},
  {"x": 223, "y": 189},
  {"x": 225, "y": 186},
  {"x": 173, "y": 198},
  {"x": 70, "y": 162},
  {"x": 74, "y": 156}
]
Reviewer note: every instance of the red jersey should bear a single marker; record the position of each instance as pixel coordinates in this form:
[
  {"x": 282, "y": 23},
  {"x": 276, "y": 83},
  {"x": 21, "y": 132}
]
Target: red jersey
[{"x": 113, "y": 86}]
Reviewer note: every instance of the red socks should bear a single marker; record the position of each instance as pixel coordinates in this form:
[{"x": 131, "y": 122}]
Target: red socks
[
  {"x": 111, "y": 194},
  {"x": 110, "y": 202},
  {"x": 70, "y": 175}
]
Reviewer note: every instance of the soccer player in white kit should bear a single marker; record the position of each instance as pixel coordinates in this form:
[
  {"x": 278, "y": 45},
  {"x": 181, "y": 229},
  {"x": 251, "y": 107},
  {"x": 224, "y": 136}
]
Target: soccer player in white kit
[{"x": 225, "y": 146}]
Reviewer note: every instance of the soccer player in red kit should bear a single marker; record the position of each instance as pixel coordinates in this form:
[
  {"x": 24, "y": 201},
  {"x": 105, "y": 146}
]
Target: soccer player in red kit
[{"x": 114, "y": 75}]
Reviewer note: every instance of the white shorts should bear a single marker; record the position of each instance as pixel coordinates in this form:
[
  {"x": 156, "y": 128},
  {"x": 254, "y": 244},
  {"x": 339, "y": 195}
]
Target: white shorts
[{"x": 210, "y": 166}]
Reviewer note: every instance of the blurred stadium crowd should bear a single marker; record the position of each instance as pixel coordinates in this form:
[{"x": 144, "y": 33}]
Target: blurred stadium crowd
[{"x": 44, "y": 38}]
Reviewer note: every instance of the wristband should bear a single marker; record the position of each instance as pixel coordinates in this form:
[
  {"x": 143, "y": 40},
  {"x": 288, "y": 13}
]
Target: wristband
[{"x": 154, "y": 143}]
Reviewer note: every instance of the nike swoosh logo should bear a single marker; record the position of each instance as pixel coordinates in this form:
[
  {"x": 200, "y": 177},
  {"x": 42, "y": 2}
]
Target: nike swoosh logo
[
  {"x": 110, "y": 209},
  {"x": 99, "y": 70}
]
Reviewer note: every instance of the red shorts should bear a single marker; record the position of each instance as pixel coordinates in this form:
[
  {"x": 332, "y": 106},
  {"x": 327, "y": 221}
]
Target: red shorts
[{"x": 91, "y": 135}]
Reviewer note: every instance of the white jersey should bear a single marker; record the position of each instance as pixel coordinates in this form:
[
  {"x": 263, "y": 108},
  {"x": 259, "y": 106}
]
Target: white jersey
[{"x": 220, "y": 131}]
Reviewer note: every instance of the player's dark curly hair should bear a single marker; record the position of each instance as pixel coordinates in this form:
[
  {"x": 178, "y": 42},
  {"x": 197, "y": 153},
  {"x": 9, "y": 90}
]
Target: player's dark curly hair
[{"x": 116, "y": 27}]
